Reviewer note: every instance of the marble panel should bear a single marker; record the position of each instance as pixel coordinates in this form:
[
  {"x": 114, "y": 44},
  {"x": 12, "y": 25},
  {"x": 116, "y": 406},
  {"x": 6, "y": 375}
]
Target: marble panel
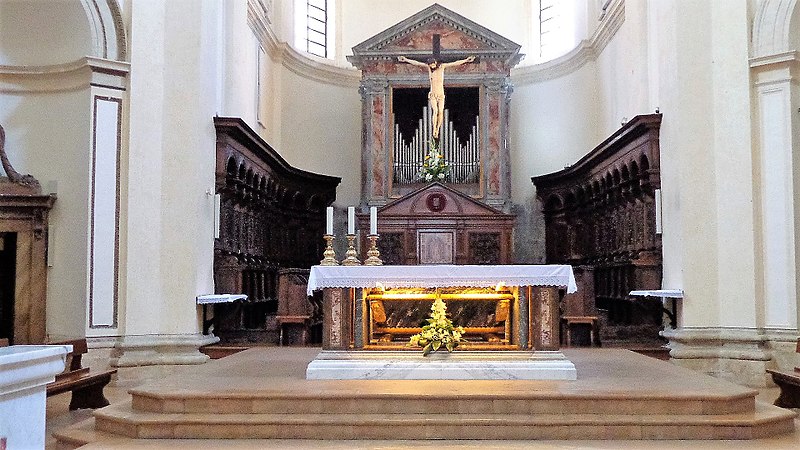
[{"x": 504, "y": 365}]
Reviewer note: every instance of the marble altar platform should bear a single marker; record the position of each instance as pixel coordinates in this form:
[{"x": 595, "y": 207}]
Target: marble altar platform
[
  {"x": 458, "y": 365},
  {"x": 259, "y": 398}
]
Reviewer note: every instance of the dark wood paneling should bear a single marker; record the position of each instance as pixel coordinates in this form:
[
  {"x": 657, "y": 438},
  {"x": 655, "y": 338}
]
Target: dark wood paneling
[
  {"x": 600, "y": 215},
  {"x": 272, "y": 218}
]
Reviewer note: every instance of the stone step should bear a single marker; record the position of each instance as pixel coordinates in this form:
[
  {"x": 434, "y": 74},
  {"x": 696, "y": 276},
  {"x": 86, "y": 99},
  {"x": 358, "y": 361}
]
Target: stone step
[
  {"x": 80, "y": 434},
  {"x": 344, "y": 401},
  {"x": 122, "y": 419}
]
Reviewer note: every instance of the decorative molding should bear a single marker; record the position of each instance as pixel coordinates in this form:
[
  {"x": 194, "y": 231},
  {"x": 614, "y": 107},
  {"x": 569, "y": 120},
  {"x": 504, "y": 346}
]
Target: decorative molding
[
  {"x": 160, "y": 349},
  {"x": 76, "y": 75},
  {"x": 107, "y": 28},
  {"x": 492, "y": 45},
  {"x": 772, "y": 28},
  {"x": 588, "y": 50},
  {"x": 792, "y": 56},
  {"x": 726, "y": 343},
  {"x": 308, "y": 67}
]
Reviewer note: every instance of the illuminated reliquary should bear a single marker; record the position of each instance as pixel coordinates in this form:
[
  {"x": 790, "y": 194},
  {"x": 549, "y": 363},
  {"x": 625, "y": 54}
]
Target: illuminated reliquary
[{"x": 484, "y": 313}]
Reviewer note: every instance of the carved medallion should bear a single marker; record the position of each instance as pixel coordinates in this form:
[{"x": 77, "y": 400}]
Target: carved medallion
[{"x": 436, "y": 202}]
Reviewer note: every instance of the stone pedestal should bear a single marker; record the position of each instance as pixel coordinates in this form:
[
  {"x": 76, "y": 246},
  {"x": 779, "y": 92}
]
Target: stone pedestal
[{"x": 25, "y": 371}]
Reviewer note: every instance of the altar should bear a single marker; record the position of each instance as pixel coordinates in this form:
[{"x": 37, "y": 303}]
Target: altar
[{"x": 510, "y": 314}]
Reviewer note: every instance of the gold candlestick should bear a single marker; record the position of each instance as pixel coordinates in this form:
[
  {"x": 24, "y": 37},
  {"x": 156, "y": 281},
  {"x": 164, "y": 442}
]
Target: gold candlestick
[
  {"x": 351, "y": 255},
  {"x": 373, "y": 255},
  {"x": 329, "y": 256}
]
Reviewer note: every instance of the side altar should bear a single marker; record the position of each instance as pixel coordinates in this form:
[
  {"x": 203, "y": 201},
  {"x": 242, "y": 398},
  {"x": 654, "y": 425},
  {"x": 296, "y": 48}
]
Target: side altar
[{"x": 510, "y": 314}]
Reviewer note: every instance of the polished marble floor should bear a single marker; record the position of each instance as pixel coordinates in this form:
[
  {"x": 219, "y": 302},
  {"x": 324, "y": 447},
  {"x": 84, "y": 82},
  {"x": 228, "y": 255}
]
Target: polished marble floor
[{"x": 291, "y": 363}]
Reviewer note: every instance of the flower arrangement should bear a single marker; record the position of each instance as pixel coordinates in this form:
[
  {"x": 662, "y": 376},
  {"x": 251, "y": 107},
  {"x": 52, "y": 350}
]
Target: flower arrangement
[
  {"x": 438, "y": 332},
  {"x": 434, "y": 167}
]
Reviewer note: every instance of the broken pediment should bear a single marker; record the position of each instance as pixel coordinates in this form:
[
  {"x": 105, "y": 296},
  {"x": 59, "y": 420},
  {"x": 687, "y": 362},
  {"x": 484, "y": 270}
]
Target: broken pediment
[{"x": 413, "y": 37}]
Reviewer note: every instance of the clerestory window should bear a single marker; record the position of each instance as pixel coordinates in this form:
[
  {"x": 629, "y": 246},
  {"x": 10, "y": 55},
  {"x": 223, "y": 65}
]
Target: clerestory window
[
  {"x": 314, "y": 27},
  {"x": 555, "y": 30}
]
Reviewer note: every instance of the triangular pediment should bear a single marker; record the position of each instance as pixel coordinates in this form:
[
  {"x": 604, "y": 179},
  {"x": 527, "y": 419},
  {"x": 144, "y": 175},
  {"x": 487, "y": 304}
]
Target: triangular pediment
[
  {"x": 413, "y": 37},
  {"x": 438, "y": 200}
]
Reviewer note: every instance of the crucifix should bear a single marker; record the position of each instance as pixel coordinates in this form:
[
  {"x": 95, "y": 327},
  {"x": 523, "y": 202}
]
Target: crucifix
[{"x": 436, "y": 68}]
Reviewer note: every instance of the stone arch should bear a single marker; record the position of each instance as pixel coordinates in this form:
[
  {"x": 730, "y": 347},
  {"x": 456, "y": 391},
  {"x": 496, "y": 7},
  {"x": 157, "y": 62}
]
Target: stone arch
[
  {"x": 775, "y": 27},
  {"x": 108, "y": 31},
  {"x": 75, "y": 28}
]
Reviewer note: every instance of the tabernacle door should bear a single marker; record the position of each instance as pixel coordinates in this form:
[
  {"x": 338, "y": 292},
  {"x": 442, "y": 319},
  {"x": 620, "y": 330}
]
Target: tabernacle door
[{"x": 436, "y": 247}]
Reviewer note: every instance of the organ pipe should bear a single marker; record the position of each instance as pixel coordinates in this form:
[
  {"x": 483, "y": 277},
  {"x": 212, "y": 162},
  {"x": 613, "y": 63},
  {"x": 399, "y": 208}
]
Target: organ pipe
[{"x": 409, "y": 155}]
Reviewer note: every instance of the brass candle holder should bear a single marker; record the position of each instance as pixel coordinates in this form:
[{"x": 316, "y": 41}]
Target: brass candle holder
[
  {"x": 373, "y": 255},
  {"x": 329, "y": 256},
  {"x": 351, "y": 255}
]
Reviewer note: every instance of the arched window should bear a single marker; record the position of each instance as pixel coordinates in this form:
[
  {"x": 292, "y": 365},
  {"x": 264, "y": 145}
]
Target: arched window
[
  {"x": 314, "y": 27},
  {"x": 555, "y": 28}
]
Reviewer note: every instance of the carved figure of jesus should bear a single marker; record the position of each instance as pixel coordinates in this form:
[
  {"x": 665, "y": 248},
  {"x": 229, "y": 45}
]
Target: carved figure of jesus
[{"x": 436, "y": 95}]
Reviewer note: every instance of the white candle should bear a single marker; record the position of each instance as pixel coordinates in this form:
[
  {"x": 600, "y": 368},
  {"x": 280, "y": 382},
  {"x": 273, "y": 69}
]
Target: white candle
[
  {"x": 373, "y": 220},
  {"x": 329, "y": 221},
  {"x": 351, "y": 220}
]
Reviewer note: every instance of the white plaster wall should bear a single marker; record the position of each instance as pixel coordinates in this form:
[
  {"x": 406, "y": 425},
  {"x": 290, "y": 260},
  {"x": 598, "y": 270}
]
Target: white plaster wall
[
  {"x": 47, "y": 136},
  {"x": 553, "y": 124},
  {"x": 239, "y": 69},
  {"x": 321, "y": 131},
  {"x": 622, "y": 72},
  {"x": 174, "y": 87},
  {"x": 706, "y": 160},
  {"x": 41, "y": 33}
]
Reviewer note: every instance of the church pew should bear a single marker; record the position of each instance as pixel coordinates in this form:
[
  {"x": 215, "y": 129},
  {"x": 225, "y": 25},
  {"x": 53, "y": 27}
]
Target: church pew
[
  {"x": 86, "y": 387},
  {"x": 789, "y": 382}
]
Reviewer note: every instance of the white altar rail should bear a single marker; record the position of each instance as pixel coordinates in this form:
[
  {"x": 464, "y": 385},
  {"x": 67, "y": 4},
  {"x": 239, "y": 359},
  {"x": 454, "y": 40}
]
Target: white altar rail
[{"x": 439, "y": 276}]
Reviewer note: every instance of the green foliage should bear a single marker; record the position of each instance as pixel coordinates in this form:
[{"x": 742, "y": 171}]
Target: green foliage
[
  {"x": 438, "y": 332},
  {"x": 434, "y": 167}
]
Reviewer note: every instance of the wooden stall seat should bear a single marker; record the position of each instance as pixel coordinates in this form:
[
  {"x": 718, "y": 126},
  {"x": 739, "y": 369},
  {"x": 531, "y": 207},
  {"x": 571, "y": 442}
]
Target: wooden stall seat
[
  {"x": 789, "y": 382},
  {"x": 570, "y": 322},
  {"x": 87, "y": 387}
]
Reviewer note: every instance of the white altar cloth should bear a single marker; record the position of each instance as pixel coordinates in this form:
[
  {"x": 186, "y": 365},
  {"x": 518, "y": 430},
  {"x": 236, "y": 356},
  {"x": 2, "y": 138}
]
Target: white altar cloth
[{"x": 437, "y": 276}]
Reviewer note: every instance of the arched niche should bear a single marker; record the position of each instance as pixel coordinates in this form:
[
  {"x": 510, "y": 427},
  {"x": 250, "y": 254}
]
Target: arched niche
[{"x": 47, "y": 33}]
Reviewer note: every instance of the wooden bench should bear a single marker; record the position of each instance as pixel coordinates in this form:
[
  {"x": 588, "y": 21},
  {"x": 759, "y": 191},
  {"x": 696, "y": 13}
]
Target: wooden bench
[
  {"x": 86, "y": 387},
  {"x": 789, "y": 382}
]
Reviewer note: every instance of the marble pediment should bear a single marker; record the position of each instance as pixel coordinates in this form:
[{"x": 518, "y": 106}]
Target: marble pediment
[
  {"x": 436, "y": 199},
  {"x": 413, "y": 37}
]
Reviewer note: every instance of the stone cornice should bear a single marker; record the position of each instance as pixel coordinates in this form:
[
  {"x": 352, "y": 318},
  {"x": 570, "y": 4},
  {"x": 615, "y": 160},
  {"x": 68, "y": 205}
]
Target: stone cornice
[
  {"x": 587, "y": 50},
  {"x": 789, "y": 57},
  {"x": 75, "y": 75},
  {"x": 295, "y": 61}
]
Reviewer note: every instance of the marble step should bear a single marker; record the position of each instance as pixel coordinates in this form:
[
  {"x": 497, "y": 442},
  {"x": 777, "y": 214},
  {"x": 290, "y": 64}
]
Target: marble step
[
  {"x": 765, "y": 420},
  {"x": 468, "y": 397}
]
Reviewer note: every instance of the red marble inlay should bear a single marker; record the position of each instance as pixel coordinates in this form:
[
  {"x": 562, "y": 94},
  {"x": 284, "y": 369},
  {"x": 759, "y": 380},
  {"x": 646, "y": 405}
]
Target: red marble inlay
[
  {"x": 494, "y": 145},
  {"x": 422, "y": 39},
  {"x": 378, "y": 153}
]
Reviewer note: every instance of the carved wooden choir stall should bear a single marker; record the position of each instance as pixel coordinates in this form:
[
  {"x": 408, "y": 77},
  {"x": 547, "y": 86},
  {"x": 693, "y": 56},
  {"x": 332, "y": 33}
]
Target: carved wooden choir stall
[
  {"x": 600, "y": 217},
  {"x": 272, "y": 218}
]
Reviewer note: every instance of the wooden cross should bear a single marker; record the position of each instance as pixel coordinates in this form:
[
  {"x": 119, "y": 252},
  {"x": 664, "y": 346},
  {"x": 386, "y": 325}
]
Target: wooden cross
[{"x": 436, "y": 52}]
